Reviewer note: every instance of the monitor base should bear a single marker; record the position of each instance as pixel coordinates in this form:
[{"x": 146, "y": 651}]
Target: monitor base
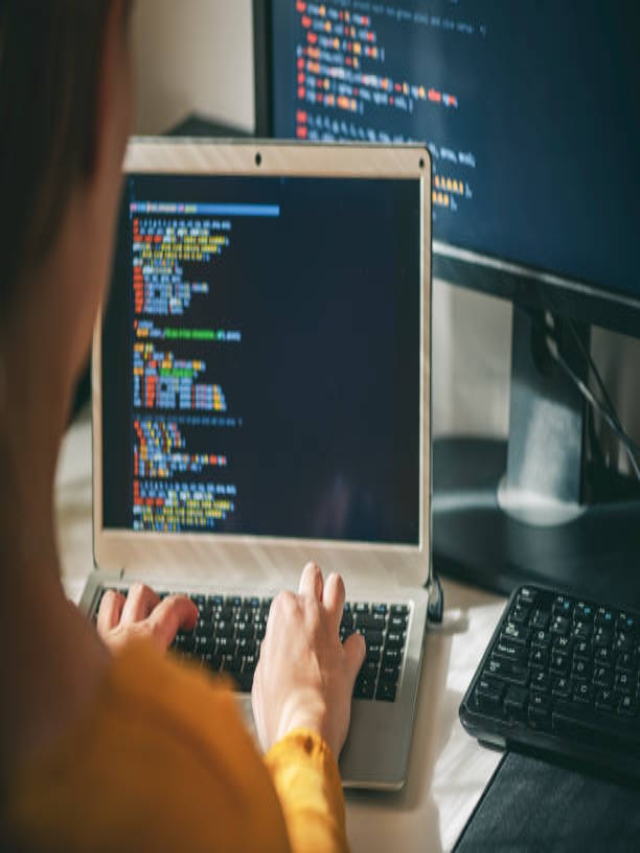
[{"x": 596, "y": 555}]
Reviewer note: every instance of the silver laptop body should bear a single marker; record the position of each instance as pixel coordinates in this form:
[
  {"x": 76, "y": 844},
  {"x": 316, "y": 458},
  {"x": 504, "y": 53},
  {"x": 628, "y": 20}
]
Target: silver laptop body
[{"x": 232, "y": 203}]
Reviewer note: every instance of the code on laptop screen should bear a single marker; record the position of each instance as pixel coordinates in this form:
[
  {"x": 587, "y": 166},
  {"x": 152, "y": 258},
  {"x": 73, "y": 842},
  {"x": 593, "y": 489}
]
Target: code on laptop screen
[{"x": 261, "y": 358}]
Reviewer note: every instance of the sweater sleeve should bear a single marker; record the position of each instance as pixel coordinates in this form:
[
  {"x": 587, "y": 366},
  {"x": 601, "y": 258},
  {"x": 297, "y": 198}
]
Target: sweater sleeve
[
  {"x": 306, "y": 777},
  {"x": 162, "y": 761}
]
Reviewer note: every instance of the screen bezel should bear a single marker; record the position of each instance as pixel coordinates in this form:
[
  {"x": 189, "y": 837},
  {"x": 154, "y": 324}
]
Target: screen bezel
[{"x": 248, "y": 556}]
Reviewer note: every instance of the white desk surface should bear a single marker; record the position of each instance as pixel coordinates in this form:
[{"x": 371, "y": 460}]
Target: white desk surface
[{"x": 448, "y": 770}]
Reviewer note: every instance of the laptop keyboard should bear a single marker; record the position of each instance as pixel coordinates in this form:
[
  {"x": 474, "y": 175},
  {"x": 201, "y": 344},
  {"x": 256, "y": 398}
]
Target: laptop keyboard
[{"x": 230, "y": 629}]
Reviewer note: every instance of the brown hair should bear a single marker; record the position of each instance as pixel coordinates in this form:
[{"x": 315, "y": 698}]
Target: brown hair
[{"x": 49, "y": 55}]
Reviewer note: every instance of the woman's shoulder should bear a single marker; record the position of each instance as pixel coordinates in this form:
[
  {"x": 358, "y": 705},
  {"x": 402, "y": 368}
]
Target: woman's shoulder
[{"x": 162, "y": 758}]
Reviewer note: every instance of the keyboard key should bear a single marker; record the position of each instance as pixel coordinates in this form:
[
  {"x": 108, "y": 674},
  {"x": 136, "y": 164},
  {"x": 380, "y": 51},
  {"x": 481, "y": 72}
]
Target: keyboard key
[
  {"x": 490, "y": 692},
  {"x": 603, "y": 676},
  {"x": 561, "y": 687},
  {"x": 510, "y": 651},
  {"x": 540, "y": 681},
  {"x": 560, "y": 627},
  {"x": 488, "y": 681},
  {"x": 539, "y": 658},
  {"x": 603, "y": 656},
  {"x": 516, "y": 633},
  {"x": 371, "y": 620},
  {"x": 581, "y": 670},
  {"x": 398, "y": 623},
  {"x": 386, "y": 692},
  {"x": 624, "y": 683},
  {"x": 370, "y": 670},
  {"x": 527, "y": 596},
  {"x": 392, "y": 656},
  {"x": 509, "y": 671},
  {"x": 623, "y": 643},
  {"x": 516, "y": 701},
  {"x": 583, "y": 612},
  {"x": 602, "y": 638},
  {"x": 562, "y": 606},
  {"x": 539, "y": 711},
  {"x": 249, "y": 663},
  {"x": 347, "y": 620},
  {"x": 389, "y": 671},
  {"x": 540, "y": 620},
  {"x": 541, "y": 639},
  {"x": 364, "y": 688},
  {"x": 520, "y": 615},
  {"x": 559, "y": 664},
  {"x": 582, "y": 693},
  {"x": 243, "y": 681},
  {"x": 562, "y": 644},
  {"x": 627, "y": 623},
  {"x": 582, "y": 630},
  {"x": 605, "y": 701},
  {"x": 373, "y": 637},
  {"x": 374, "y": 653},
  {"x": 628, "y": 707},
  {"x": 582, "y": 650}
]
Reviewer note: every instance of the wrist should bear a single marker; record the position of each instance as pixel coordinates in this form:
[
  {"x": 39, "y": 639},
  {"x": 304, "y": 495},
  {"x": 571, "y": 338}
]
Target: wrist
[{"x": 306, "y": 712}]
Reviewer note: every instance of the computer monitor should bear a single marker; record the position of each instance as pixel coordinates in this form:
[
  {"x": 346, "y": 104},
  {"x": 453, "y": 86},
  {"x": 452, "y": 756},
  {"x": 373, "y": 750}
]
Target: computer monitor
[{"x": 532, "y": 115}]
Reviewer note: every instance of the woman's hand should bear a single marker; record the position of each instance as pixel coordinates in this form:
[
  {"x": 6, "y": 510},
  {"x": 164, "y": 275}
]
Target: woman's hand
[
  {"x": 305, "y": 675},
  {"x": 143, "y": 614}
]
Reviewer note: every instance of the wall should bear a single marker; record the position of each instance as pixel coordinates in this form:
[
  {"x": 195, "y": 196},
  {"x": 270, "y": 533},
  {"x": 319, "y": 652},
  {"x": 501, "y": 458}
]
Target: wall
[
  {"x": 193, "y": 55},
  {"x": 196, "y": 55}
]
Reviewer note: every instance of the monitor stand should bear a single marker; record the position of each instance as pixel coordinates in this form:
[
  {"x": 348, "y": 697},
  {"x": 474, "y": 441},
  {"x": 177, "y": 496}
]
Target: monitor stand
[{"x": 537, "y": 508}]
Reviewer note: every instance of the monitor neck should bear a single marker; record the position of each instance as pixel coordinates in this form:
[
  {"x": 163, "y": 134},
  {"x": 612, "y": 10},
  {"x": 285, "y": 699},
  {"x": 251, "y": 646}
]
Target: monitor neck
[{"x": 544, "y": 481}]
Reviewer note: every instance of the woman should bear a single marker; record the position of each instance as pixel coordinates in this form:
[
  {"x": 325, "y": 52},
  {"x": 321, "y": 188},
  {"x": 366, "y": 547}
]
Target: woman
[{"x": 105, "y": 742}]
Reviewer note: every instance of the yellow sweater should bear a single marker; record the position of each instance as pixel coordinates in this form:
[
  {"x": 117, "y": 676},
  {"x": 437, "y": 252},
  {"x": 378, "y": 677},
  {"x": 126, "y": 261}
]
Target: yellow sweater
[{"x": 163, "y": 762}]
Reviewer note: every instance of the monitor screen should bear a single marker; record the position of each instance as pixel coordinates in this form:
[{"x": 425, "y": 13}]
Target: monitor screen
[
  {"x": 531, "y": 112},
  {"x": 261, "y": 358}
]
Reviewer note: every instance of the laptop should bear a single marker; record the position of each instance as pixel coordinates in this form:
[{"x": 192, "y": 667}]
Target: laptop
[{"x": 261, "y": 398}]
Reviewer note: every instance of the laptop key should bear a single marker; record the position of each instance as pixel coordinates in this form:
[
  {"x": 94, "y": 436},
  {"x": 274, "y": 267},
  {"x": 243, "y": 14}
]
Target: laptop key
[
  {"x": 373, "y": 637},
  {"x": 364, "y": 688},
  {"x": 398, "y": 623},
  {"x": 386, "y": 692},
  {"x": 390, "y": 672},
  {"x": 370, "y": 669},
  {"x": 243, "y": 681}
]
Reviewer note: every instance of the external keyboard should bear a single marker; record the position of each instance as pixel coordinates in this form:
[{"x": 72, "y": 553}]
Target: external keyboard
[
  {"x": 230, "y": 629},
  {"x": 561, "y": 676}
]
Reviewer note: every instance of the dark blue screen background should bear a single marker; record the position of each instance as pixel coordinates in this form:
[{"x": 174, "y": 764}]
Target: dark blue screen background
[
  {"x": 325, "y": 385},
  {"x": 545, "y": 137}
]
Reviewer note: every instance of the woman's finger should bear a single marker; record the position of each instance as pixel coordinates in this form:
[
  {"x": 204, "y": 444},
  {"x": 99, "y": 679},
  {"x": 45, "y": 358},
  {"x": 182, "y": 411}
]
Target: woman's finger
[
  {"x": 141, "y": 602},
  {"x": 173, "y": 614},
  {"x": 311, "y": 583},
  {"x": 110, "y": 611},
  {"x": 333, "y": 598}
]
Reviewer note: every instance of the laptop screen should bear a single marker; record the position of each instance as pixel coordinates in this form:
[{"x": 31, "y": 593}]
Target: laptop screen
[{"x": 261, "y": 358}]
